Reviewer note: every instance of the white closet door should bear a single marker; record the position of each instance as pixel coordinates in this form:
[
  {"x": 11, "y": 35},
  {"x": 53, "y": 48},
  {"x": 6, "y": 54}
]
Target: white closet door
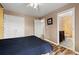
[
  {"x": 39, "y": 28},
  {"x": 13, "y": 26}
]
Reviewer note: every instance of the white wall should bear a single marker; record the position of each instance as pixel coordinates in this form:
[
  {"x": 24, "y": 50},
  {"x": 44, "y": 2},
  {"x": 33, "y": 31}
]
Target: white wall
[{"x": 13, "y": 26}]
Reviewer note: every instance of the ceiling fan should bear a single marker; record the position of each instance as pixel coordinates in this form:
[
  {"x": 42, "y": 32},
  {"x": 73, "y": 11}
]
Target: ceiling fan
[{"x": 34, "y": 5}]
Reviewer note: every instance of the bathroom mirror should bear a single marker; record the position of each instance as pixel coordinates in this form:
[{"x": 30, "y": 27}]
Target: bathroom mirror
[{"x": 66, "y": 28}]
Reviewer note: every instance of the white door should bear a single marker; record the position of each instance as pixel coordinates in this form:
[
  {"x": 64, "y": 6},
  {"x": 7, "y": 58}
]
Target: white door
[
  {"x": 39, "y": 28},
  {"x": 13, "y": 26}
]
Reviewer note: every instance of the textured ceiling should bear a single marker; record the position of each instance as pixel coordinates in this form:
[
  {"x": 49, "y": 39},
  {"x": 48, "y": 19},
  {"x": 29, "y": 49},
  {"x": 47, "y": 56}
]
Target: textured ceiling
[{"x": 22, "y": 8}]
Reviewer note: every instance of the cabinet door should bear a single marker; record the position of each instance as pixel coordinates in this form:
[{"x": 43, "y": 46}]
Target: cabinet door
[{"x": 1, "y": 23}]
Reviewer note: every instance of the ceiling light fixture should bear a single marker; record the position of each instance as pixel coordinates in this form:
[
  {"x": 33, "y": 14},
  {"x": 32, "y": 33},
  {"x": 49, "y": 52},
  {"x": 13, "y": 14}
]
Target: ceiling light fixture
[{"x": 34, "y": 5}]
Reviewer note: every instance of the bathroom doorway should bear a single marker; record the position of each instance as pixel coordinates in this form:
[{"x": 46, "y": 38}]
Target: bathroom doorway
[{"x": 66, "y": 28}]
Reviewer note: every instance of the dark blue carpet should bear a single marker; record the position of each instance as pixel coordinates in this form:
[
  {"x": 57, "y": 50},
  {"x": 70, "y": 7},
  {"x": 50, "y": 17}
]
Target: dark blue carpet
[{"x": 30, "y": 45}]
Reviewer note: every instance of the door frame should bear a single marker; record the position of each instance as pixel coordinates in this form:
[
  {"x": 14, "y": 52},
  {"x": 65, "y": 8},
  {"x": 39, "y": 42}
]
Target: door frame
[{"x": 62, "y": 13}]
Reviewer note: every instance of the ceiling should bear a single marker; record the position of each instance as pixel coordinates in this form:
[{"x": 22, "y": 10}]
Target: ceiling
[{"x": 22, "y": 8}]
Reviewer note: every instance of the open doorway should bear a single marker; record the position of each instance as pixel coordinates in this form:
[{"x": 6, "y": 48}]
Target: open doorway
[{"x": 66, "y": 28}]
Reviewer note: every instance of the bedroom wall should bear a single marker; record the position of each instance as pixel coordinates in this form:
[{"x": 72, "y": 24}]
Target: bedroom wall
[
  {"x": 51, "y": 31},
  {"x": 1, "y": 23},
  {"x": 29, "y": 25}
]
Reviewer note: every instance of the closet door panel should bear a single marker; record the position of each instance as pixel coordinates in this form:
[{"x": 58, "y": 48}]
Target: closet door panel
[{"x": 13, "y": 26}]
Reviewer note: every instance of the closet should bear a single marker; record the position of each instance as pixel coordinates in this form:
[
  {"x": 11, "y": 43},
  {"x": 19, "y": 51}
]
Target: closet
[{"x": 13, "y": 26}]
